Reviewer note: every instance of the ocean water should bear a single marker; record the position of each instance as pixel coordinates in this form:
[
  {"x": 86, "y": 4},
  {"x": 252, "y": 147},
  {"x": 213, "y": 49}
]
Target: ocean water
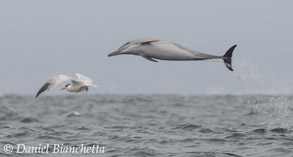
[{"x": 146, "y": 125}]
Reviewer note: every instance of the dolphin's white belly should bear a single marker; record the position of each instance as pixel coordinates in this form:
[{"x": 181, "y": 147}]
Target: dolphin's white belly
[{"x": 167, "y": 52}]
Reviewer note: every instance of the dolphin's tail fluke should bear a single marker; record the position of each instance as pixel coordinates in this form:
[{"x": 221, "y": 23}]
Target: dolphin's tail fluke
[{"x": 228, "y": 57}]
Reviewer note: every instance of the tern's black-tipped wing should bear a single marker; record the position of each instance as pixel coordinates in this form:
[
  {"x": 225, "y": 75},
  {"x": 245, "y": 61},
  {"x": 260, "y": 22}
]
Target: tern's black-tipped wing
[
  {"x": 53, "y": 82},
  {"x": 43, "y": 88}
]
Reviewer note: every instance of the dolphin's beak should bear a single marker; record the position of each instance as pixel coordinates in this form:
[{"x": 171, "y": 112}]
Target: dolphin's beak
[{"x": 114, "y": 53}]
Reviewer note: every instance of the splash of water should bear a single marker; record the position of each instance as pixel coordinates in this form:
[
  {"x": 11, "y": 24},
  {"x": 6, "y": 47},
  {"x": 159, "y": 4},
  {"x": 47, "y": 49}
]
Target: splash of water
[
  {"x": 275, "y": 103},
  {"x": 263, "y": 80}
]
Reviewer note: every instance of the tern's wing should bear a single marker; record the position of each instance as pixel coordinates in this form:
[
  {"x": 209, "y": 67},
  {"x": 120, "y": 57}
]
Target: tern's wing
[
  {"x": 83, "y": 78},
  {"x": 53, "y": 82}
]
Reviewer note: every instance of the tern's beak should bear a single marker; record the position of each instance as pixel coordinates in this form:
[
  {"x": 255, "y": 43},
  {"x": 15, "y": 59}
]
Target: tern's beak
[
  {"x": 62, "y": 88},
  {"x": 114, "y": 53}
]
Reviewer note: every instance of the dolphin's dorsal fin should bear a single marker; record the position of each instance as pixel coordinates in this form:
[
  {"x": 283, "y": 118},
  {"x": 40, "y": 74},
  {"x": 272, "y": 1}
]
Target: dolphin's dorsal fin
[
  {"x": 148, "y": 42},
  {"x": 149, "y": 58}
]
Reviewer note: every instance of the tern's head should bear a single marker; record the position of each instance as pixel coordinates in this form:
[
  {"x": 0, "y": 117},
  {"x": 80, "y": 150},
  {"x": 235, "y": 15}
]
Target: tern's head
[
  {"x": 128, "y": 48},
  {"x": 66, "y": 86}
]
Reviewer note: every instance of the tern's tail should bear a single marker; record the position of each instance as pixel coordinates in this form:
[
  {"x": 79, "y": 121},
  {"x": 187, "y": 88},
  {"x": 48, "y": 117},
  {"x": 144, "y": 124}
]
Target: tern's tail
[
  {"x": 92, "y": 85},
  {"x": 228, "y": 57}
]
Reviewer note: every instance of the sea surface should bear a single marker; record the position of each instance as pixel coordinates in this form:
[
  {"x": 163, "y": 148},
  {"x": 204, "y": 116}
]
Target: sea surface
[{"x": 147, "y": 125}]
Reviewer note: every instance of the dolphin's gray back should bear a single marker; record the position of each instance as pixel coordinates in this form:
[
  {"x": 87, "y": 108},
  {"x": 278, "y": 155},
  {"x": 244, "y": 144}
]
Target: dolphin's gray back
[{"x": 198, "y": 55}]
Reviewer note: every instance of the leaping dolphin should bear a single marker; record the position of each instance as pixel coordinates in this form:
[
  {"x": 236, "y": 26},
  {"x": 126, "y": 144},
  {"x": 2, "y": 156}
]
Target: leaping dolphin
[{"x": 152, "y": 49}]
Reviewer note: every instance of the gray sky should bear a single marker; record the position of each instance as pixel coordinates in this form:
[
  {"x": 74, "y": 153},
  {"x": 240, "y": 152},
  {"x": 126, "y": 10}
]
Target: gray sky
[{"x": 40, "y": 39}]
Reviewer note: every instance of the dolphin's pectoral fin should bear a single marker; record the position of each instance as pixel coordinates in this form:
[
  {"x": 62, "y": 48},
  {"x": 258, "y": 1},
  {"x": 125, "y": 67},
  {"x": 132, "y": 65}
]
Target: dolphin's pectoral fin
[
  {"x": 149, "y": 58},
  {"x": 148, "y": 42}
]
